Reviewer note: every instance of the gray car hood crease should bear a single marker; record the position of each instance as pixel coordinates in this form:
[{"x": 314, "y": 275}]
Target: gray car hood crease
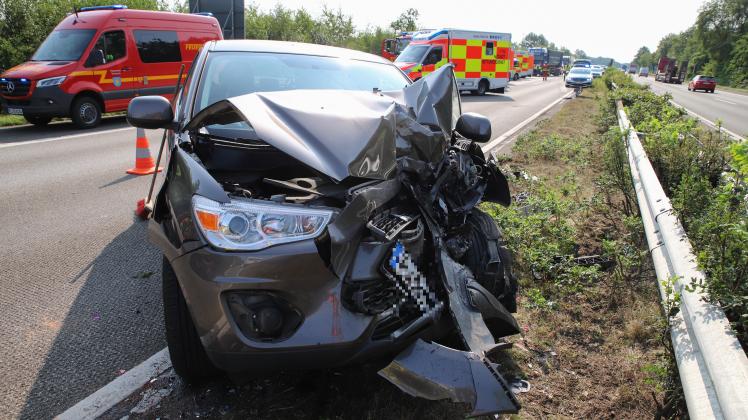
[{"x": 348, "y": 133}]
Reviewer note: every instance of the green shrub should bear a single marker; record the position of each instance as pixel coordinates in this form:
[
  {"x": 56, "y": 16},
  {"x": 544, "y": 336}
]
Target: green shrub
[{"x": 704, "y": 175}]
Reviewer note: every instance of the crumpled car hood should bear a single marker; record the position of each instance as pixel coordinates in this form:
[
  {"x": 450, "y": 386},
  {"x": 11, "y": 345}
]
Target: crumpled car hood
[{"x": 344, "y": 133}]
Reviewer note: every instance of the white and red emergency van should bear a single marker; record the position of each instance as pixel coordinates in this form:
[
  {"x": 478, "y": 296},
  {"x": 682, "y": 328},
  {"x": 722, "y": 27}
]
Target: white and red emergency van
[
  {"x": 481, "y": 59},
  {"x": 99, "y": 58}
]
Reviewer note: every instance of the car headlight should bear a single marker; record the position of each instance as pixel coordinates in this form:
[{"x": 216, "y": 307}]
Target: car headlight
[
  {"x": 52, "y": 81},
  {"x": 251, "y": 224}
]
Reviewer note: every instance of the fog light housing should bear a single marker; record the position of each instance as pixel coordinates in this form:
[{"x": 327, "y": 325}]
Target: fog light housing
[{"x": 263, "y": 316}]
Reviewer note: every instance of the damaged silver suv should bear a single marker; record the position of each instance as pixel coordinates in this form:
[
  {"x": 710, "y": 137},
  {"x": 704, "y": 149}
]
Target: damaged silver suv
[{"x": 319, "y": 210}]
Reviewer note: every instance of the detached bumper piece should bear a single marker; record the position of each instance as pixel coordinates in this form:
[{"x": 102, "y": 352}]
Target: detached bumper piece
[{"x": 435, "y": 372}]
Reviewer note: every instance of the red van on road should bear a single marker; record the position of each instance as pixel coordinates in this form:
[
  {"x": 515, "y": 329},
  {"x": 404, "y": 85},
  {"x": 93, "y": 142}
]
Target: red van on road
[{"x": 99, "y": 58}]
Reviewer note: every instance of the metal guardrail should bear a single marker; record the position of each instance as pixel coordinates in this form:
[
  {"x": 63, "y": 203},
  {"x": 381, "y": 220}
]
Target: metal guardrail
[{"x": 712, "y": 365}]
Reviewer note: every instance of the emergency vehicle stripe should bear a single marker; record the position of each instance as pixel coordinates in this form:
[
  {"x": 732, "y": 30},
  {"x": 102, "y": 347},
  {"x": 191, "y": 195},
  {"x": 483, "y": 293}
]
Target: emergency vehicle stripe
[{"x": 103, "y": 79}]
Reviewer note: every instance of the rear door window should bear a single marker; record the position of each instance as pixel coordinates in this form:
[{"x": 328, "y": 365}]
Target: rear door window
[{"x": 158, "y": 46}]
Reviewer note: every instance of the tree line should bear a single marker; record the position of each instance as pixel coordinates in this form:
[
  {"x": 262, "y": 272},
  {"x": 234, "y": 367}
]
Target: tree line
[
  {"x": 716, "y": 44},
  {"x": 25, "y": 23}
]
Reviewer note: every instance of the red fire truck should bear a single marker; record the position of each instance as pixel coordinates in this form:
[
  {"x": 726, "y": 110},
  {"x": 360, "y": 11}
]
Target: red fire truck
[
  {"x": 392, "y": 47},
  {"x": 99, "y": 58}
]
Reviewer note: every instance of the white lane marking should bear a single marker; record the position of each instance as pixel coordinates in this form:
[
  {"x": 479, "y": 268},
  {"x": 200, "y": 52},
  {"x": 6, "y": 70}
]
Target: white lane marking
[
  {"x": 498, "y": 140},
  {"x": 727, "y": 102},
  {"x": 93, "y": 133},
  {"x": 706, "y": 121},
  {"x": 116, "y": 391}
]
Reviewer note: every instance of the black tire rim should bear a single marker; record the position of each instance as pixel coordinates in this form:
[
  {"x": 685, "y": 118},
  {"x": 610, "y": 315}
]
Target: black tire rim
[{"x": 88, "y": 113}]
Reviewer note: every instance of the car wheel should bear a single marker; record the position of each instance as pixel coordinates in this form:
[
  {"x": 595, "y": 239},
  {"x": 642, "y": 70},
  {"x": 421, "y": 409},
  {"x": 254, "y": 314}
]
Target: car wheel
[
  {"x": 86, "y": 112},
  {"x": 37, "y": 120},
  {"x": 486, "y": 239},
  {"x": 482, "y": 88},
  {"x": 187, "y": 353}
]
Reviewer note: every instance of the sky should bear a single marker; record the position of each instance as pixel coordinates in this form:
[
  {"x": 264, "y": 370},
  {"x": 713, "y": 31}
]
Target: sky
[{"x": 606, "y": 28}]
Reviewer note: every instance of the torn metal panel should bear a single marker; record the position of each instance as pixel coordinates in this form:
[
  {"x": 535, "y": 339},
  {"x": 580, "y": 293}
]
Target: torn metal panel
[
  {"x": 470, "y": 324},
  {"x": 345, "y": 232},
  {"x": 435, "y": 372}
]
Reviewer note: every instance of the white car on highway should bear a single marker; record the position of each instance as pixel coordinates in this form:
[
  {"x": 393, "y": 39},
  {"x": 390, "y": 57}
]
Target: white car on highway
[
  {"x": 597, "y": 71},
  {"x": 579, "y": 76}
]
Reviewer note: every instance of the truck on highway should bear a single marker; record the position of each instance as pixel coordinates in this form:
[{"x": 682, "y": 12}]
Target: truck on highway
[
  {"x": 670, "y": 71},
  {"x": 99, "y": 58},
  {"x": 481, "y": 59},
  {"x": 555, "y": 62},
  {"x": 540, "y": 55}
]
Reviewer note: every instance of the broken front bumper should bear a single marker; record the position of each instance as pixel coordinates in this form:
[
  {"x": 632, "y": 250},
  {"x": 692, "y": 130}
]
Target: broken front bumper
[{"x": 318, "y": 331}]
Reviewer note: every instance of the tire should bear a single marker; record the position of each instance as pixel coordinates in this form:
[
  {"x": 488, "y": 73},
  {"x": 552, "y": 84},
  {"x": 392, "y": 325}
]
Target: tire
[
  {"x": 187, "y": 353},
  {"x": 86, "y": 112},
  {"x": 516, "y": 76},
  {"x": 482, "y": 88},
  {"x": 487, "y": 246},
  {"x": 37, "y": 120}
]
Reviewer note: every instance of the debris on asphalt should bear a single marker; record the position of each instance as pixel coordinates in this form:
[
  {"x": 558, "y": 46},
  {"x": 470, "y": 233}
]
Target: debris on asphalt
[{"x": 151, "y": 398}]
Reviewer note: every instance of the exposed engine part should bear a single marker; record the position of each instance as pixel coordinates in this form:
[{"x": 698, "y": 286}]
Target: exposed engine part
[
  {"x": 307, "y": 185},
  {"x": 388, "y": 225}
]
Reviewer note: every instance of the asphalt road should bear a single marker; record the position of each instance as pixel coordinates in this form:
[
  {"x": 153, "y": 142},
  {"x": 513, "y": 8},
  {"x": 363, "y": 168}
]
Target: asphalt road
[
  {"x": 731, "y": 108},
  {"x": 80, "y": 299}
]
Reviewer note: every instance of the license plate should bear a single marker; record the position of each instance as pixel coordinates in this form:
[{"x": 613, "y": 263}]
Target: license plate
[{"x": 15, "y": 111}]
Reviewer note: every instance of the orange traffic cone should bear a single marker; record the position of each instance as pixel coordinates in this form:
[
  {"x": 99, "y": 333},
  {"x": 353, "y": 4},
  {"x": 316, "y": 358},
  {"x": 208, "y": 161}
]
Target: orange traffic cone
[{"x": 144, "y": 163}]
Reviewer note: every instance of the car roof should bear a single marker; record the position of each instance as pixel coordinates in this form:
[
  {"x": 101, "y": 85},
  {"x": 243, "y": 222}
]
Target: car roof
[
  {"x": 285, "y": 47},
  {"x": 94, "y": 19}
]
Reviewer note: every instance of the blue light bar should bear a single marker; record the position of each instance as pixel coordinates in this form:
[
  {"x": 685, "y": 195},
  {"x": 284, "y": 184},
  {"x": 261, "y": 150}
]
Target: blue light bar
[
  {"x": 203, "y": 14},
  {"x": 110, "y": 7}
]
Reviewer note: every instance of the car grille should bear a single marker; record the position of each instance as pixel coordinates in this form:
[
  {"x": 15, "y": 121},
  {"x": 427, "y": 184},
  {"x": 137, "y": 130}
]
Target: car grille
[
  {"x": 15, "y": 87},
  {"x": 577, "y": 79}
]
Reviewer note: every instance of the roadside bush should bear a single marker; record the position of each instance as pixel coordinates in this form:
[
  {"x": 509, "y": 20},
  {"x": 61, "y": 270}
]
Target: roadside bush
[{"x": 704, "y": 175}]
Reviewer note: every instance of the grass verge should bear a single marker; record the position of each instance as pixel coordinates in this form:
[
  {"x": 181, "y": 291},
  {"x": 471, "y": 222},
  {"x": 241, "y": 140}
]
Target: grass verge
[
  {"x": 10, "y": 120},
  {"x": 733, "y": 89},
  {"x": 594, "y": 342}
]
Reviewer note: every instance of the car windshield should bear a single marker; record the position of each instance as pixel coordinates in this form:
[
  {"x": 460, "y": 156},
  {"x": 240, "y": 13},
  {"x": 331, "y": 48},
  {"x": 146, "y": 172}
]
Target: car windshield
[
  {"x": 64, "y": 45},
  {"x": 412, "y": 54},
  {"x": 580, "y": 71},
  {"x": 229, "y": 74}
]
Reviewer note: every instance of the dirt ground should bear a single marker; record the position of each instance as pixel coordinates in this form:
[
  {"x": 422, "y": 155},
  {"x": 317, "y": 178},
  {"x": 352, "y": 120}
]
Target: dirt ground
[{"x": 598, "y": 353}]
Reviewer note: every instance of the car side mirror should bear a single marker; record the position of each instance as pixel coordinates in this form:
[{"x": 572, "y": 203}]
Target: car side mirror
[
  {"x": 96, "y": 58},
  {"x": 150, "y": 112},
  {"x": 474, "y": 126}
]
